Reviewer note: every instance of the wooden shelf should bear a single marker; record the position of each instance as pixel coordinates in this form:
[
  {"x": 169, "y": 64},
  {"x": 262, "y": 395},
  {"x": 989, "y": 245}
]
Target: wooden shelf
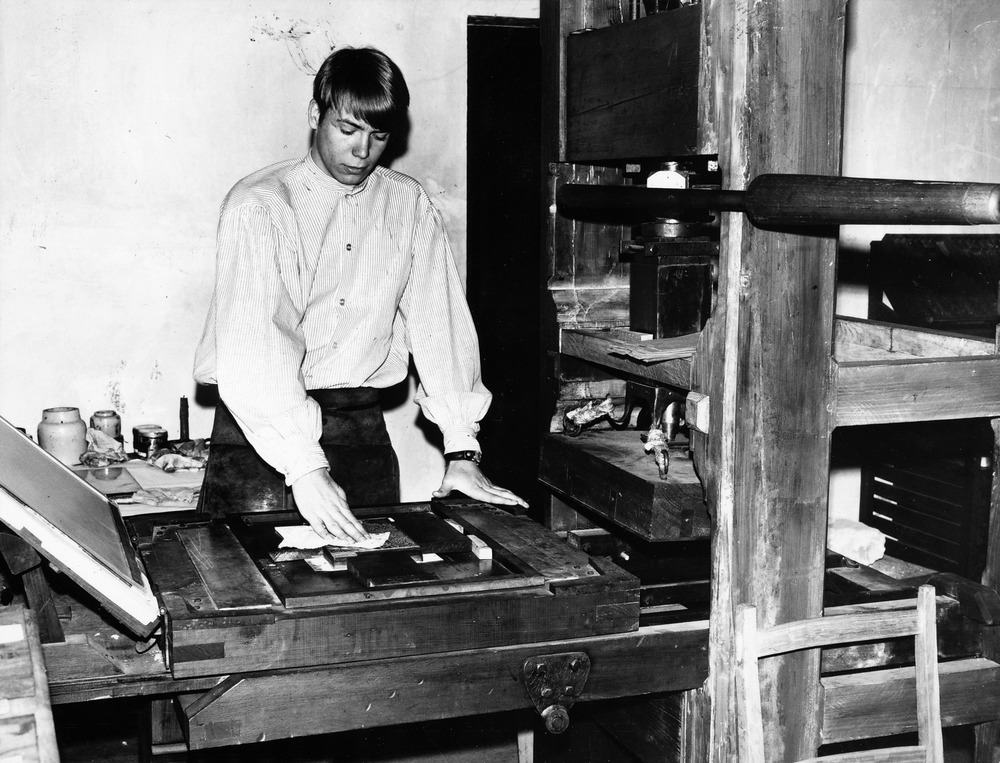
[
  {"x": 609, "y": 473},
  {"x": 883, "y": 373},
  {"x": 599, "y": 346},
  {"x": 889, "y": 374}
]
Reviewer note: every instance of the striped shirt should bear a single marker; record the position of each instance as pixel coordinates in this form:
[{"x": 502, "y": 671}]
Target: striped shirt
[{"x": 321, "y": 285}]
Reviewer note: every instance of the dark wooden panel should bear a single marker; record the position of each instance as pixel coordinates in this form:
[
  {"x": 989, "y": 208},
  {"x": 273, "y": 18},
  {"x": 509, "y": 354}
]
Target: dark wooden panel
[
  {"x": 941, "y": 281},
  {"x": 395, "y": 629},
  {"x": 610, "y": 474},
  {"x": 632, "y": 89},
  {"x": 378, "y": 693}
]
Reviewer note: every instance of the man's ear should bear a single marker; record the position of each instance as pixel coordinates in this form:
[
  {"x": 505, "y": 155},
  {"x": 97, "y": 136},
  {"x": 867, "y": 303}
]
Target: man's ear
[{"x": 313, "y": 114}]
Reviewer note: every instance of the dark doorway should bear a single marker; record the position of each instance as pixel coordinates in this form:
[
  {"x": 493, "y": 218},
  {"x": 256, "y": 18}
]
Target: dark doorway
[{"x": 504, "y": 238}]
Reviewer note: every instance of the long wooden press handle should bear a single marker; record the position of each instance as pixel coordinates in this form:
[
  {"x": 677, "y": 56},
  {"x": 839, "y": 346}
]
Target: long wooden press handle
[
  {"x": 791, "y": 200},
  {"x": 777, "y": 200}
]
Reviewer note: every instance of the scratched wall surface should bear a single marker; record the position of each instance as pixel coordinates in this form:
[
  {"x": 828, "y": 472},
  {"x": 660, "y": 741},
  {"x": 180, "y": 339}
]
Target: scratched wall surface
[
  {"x": 922, "y": 97},
  {"x": 122, "y": 125}
]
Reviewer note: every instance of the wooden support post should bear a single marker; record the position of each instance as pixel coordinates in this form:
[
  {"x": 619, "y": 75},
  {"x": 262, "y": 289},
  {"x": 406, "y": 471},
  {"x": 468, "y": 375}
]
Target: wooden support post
[
  {"x": 988, "y": 734},
  {"x": 765, "y": 357},
  {"x": 23, "y": 561}
]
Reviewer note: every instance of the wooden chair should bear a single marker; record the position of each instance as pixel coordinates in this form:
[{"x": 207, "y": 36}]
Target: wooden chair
[{"x": 753, "y": 643}]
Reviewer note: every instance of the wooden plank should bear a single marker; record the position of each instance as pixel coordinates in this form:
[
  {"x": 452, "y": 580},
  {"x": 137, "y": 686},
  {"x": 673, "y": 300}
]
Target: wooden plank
[
  {"x": 916, "y": 390},
  {"x": 610, "y": 474},
  {"x": 231, "y": 578},
  {"x": 27, "y": 730},
  {"x": 599, "y": 605},
  {"x": 643, "y": 74},
  {"x": 595, "y": 347},
  {"x": 546, "y": 553},
  {"x": 883, "y": 702},
  {"x": 988, "y": 734},
  {"x": 591, "y": 306},
  {"x": 835, "y": 629},
  {"x": 779, "y": 77},
  {"x": 892, "y": 338},
  {"x": 377, "y": 693}
]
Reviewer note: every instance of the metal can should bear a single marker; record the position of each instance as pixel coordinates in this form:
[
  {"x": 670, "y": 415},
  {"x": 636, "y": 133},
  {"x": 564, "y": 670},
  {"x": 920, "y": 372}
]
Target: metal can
[
  {"x": 108, "y": 422},
  {"x": 148, "y": 438}
]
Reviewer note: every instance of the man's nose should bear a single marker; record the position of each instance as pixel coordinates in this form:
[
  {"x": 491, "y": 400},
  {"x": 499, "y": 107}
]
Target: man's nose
[{"x": 361, "y": 148}]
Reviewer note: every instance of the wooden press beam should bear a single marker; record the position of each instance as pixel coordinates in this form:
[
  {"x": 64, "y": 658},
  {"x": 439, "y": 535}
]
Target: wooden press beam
[
  {"x": 774, "y": 70},
  {"x": 242, "y": 708}
]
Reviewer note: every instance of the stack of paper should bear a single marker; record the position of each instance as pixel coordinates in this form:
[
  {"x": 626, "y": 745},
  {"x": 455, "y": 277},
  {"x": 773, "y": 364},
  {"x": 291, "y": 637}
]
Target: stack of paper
[{"x": 658, "y": 350}]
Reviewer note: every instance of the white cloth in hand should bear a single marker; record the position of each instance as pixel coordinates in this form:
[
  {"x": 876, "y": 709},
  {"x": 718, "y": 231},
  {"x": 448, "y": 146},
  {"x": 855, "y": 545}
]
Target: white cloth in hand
[{"x": 303, "y": 536}]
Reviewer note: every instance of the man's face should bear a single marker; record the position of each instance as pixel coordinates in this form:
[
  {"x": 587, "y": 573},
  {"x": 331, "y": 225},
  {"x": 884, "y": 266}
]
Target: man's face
[{"x": 347, "y": 147}]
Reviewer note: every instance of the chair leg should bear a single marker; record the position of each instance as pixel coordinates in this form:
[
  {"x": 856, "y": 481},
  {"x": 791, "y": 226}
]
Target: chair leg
[{"x": 526, "y": 745}]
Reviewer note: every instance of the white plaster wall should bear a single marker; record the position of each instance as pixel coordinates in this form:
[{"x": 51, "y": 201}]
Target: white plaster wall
[
  {"x": 122, "y": 125},
  {"x": 922, "y": 102}
]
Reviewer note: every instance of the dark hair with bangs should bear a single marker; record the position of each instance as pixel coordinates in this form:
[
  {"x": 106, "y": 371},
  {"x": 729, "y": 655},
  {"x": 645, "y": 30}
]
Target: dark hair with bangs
[{"x": 365, "y": 83}]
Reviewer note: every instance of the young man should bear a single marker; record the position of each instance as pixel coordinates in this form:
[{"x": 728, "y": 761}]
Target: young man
[{"x": 331, "y": 272}]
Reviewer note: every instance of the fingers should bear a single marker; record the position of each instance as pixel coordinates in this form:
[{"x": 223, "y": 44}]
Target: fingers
[
  {"x": 495, "y": 494},
  {"x": 480, "y": 490},
  {"x": 323, "y": 504}
]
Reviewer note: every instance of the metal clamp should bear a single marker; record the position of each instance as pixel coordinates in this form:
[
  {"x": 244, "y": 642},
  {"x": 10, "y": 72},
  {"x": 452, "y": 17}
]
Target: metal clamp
[{"x": 554, "y": 682}]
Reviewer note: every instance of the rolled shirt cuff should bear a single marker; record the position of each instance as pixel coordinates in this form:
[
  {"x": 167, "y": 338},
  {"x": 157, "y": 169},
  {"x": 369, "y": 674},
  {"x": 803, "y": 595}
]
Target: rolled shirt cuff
[
  {"x": 305, "y": 459},
  {"x": 460, "y": 438}
]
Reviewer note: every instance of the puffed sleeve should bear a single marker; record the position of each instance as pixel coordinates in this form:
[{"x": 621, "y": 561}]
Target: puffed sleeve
[
  {"x": 259, "y": 344},
  {"x": 441, "y": 336}
]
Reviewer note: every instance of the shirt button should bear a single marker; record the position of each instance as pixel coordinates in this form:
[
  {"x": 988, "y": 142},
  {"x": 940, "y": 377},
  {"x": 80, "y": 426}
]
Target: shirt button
[
  {"x": 348, "y": 247},
  {"x": 342, "y": 301}
]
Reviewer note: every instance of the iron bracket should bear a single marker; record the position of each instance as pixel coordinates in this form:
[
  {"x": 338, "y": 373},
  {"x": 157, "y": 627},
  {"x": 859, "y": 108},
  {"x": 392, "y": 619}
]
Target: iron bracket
[{"x": 554, "y": 682}]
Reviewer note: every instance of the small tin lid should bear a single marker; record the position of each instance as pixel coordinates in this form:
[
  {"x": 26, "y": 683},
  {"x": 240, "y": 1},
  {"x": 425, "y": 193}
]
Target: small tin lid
[{"x": 74, "y": 526}]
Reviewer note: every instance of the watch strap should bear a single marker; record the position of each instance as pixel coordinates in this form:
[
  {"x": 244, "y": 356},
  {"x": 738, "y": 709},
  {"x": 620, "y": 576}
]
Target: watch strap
[{"x": 474, "y": 456}]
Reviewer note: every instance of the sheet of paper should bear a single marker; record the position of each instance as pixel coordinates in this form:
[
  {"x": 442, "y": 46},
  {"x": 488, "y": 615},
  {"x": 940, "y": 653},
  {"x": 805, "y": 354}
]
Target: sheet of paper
[{"x": 303, "y": 536}]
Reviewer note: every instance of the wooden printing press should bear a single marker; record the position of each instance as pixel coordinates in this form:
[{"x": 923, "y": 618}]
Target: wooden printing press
[{"x": 215, "y": 614}]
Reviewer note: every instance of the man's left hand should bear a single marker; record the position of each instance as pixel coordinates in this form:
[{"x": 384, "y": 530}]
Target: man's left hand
[{"x": 468, "y": 478}]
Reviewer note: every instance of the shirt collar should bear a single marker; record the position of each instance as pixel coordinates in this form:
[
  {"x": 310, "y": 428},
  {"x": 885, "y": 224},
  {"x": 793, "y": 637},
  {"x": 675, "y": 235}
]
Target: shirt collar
[{"x": 331, "y": 183}]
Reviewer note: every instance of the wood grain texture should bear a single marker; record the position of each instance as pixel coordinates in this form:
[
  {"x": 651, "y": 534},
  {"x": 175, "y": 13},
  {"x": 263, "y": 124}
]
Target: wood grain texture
[
  {"x": 988, "y": 734},
  {"x": 882, "y": 702},
  {"x": 27, "y": 731},
  {"x": 377, "y": 693},
  {"x": 610, "y": 474},
  {"x": 643, "y": 75},
  {"x": 562, "y": 593},
  {"x": 779, "y": 83},
  {"x": 853, "y": 333},
  {"x": 897, "y": 391},
  {"x": 918, "y": 621},
  {"x": 596, "y": 347}
]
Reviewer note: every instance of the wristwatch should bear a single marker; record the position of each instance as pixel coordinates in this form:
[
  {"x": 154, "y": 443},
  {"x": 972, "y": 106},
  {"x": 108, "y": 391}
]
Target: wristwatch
[{"x": 474, "y": 456}]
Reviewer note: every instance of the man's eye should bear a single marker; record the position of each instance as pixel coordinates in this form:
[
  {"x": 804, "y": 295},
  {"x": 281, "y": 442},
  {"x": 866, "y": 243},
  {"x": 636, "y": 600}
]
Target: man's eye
[{"x": 347, "y": 131}]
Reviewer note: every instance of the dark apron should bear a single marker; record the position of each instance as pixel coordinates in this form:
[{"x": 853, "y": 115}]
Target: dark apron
[{"x": 354, "y": 439}]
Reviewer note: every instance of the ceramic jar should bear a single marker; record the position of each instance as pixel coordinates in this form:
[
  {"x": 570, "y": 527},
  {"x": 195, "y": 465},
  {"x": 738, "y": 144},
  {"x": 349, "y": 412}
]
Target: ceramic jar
[
  {"x": 108, "y": 422},
  {"x": 63, "y": 433}
]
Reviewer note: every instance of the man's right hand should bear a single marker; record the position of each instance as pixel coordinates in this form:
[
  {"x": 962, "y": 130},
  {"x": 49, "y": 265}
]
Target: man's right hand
[{"x": 323, "y": 504}]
